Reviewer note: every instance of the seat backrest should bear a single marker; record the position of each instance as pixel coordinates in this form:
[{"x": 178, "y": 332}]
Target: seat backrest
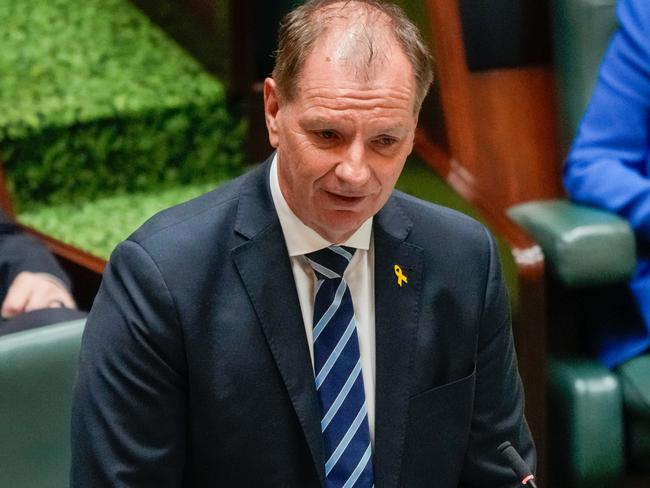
[
  {"x": 581, "y": 32},
  {"x": 37, "y": 369}
]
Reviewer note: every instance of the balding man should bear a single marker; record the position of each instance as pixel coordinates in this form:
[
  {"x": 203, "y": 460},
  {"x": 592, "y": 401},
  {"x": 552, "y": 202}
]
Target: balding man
[{"x": 306, "y": 325}]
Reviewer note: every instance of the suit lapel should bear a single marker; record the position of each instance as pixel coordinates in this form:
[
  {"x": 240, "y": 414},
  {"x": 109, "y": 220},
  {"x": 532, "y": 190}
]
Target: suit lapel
[
  {"x": 396, "y": 318},
  {"x": 265, "y": 269}
]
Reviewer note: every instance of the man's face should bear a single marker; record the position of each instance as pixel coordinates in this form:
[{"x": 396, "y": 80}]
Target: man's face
[{"x": 343, "y": 139}]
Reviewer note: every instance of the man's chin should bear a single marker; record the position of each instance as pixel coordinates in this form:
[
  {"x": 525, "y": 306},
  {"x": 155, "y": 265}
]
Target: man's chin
[{"x": 340, "y": 225}]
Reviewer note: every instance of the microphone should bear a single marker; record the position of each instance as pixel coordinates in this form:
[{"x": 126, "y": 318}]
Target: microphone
[{"x": 517, "y": 464}]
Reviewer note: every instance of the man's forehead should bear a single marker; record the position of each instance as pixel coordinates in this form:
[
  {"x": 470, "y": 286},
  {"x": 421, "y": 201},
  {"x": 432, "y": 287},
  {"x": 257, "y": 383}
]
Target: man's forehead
[
  {"x": 355, "y": 43},
  {"x": 357, "y": 46},
  {"x": 354, "y": 59},
  {"x": 333, "y": 95},
  {"x": 354, "y": 19}
]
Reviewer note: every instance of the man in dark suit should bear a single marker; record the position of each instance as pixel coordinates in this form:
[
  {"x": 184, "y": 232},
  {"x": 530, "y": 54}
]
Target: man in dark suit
[
  {"x": 306, "y": 325},
  {"x": 32, "y": 284}
]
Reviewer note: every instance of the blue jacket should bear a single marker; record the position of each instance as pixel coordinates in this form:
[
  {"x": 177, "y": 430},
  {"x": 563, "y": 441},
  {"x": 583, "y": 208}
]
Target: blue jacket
[{"x": 609, "y": 163}]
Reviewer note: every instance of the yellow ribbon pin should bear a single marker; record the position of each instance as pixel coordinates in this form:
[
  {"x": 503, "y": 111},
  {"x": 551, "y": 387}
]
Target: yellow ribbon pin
[{"x": 401, "y": 277}]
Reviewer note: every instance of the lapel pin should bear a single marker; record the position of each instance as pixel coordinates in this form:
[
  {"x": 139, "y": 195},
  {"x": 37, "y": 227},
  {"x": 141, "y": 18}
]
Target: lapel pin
[{"x": 401, "y": 277}]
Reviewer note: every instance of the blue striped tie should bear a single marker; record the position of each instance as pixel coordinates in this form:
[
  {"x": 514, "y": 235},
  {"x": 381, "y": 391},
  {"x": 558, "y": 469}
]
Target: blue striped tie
[{"x": 337, "y": 367}]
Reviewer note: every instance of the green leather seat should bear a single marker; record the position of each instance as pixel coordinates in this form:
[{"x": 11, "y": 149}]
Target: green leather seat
[
  {"x": 581, "y": 32},
  {"x": 599, "y": 419},
  {"x": 578, "y": 241},
  {"x": 586, "y": 419},
  {"x": 37, "y": 369}
]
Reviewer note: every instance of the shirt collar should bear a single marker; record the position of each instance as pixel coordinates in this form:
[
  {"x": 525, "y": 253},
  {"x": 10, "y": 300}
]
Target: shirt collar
[{"x": 301, "y": 239}]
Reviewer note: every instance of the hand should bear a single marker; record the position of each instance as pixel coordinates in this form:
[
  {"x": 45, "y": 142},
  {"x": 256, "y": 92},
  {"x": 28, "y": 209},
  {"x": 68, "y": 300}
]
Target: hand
[{"x": 31, "y": 291}]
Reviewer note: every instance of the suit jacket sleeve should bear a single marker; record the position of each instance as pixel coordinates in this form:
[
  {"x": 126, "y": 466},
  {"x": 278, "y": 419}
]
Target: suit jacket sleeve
[
  {"x": 21, "y": 252},
  {"x": 498, "y": 413},
  {"x": 129, "y": 394},
  {"x": 608, "y": 163}
]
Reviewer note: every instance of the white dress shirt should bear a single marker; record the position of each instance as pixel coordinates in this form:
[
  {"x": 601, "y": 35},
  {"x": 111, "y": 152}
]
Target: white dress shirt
[{"x": 359, "y": 276}]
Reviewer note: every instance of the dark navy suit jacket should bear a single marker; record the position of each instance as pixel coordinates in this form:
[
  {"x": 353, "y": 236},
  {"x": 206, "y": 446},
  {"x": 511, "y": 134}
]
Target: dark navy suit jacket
[{"x": 195, "y": 369}]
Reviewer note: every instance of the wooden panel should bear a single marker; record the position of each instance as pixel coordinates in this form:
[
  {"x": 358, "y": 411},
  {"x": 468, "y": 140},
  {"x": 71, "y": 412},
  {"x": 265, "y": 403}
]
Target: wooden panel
[
  {"x": 501, "y": 123},
  {"x": 514, "y": 119},
  {"x": 68, "y": 252}
]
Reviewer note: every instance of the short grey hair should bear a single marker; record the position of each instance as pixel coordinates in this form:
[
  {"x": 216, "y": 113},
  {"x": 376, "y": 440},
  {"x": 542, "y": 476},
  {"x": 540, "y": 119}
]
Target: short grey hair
[{"x": 303, "y": 26}]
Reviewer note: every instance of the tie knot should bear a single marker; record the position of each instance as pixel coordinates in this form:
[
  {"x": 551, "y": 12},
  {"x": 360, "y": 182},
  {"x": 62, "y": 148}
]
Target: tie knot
[{"x": 330, "y": 262}]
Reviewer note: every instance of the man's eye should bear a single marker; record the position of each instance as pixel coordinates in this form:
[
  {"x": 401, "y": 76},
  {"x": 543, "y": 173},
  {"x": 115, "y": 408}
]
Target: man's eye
[
  {"x": 386, "y": 141},
  {"x": 326, "y": 134}
]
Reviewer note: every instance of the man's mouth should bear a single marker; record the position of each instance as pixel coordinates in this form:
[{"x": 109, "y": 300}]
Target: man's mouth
[{"x": 344, "y": 200}]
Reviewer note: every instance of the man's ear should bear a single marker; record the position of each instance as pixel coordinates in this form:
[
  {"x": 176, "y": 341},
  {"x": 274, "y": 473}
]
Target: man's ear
[{"x": 271, "y": 109}]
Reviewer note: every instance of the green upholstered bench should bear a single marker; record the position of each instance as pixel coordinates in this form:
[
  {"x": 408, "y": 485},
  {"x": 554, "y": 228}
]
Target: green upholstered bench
[
  {"x": 600, "y": 419},
  {"x": 37, "y": 369},
  {"x": 586, "y": 416},
  {"x": 583, "y": 246}
]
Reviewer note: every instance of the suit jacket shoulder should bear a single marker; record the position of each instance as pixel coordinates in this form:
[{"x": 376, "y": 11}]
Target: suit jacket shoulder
[
  {"x": 173, "y": 223},
  {"x": 429, "y": 218}
]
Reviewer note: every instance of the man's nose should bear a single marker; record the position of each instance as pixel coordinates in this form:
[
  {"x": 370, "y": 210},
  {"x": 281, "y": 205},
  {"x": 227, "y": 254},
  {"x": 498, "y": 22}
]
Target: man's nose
[{"x": 353, "y": 168}]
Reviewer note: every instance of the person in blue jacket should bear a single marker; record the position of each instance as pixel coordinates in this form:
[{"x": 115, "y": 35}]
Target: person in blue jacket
[{"x": 609, "y": 163}]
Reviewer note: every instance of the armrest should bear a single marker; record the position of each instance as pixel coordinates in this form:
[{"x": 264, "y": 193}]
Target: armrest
[
  {"x": 586, "y": 423},
  {"x": 583, "y": 245}
]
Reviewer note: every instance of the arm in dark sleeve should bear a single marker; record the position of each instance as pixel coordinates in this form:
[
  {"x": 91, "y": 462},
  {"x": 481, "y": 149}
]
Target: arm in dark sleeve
[
  {"x": 21, "y": 252},
  {"x": 129, "y": 404},
  {"x": 608, "y": 163},
  {"x": 498, "y": 414}
]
